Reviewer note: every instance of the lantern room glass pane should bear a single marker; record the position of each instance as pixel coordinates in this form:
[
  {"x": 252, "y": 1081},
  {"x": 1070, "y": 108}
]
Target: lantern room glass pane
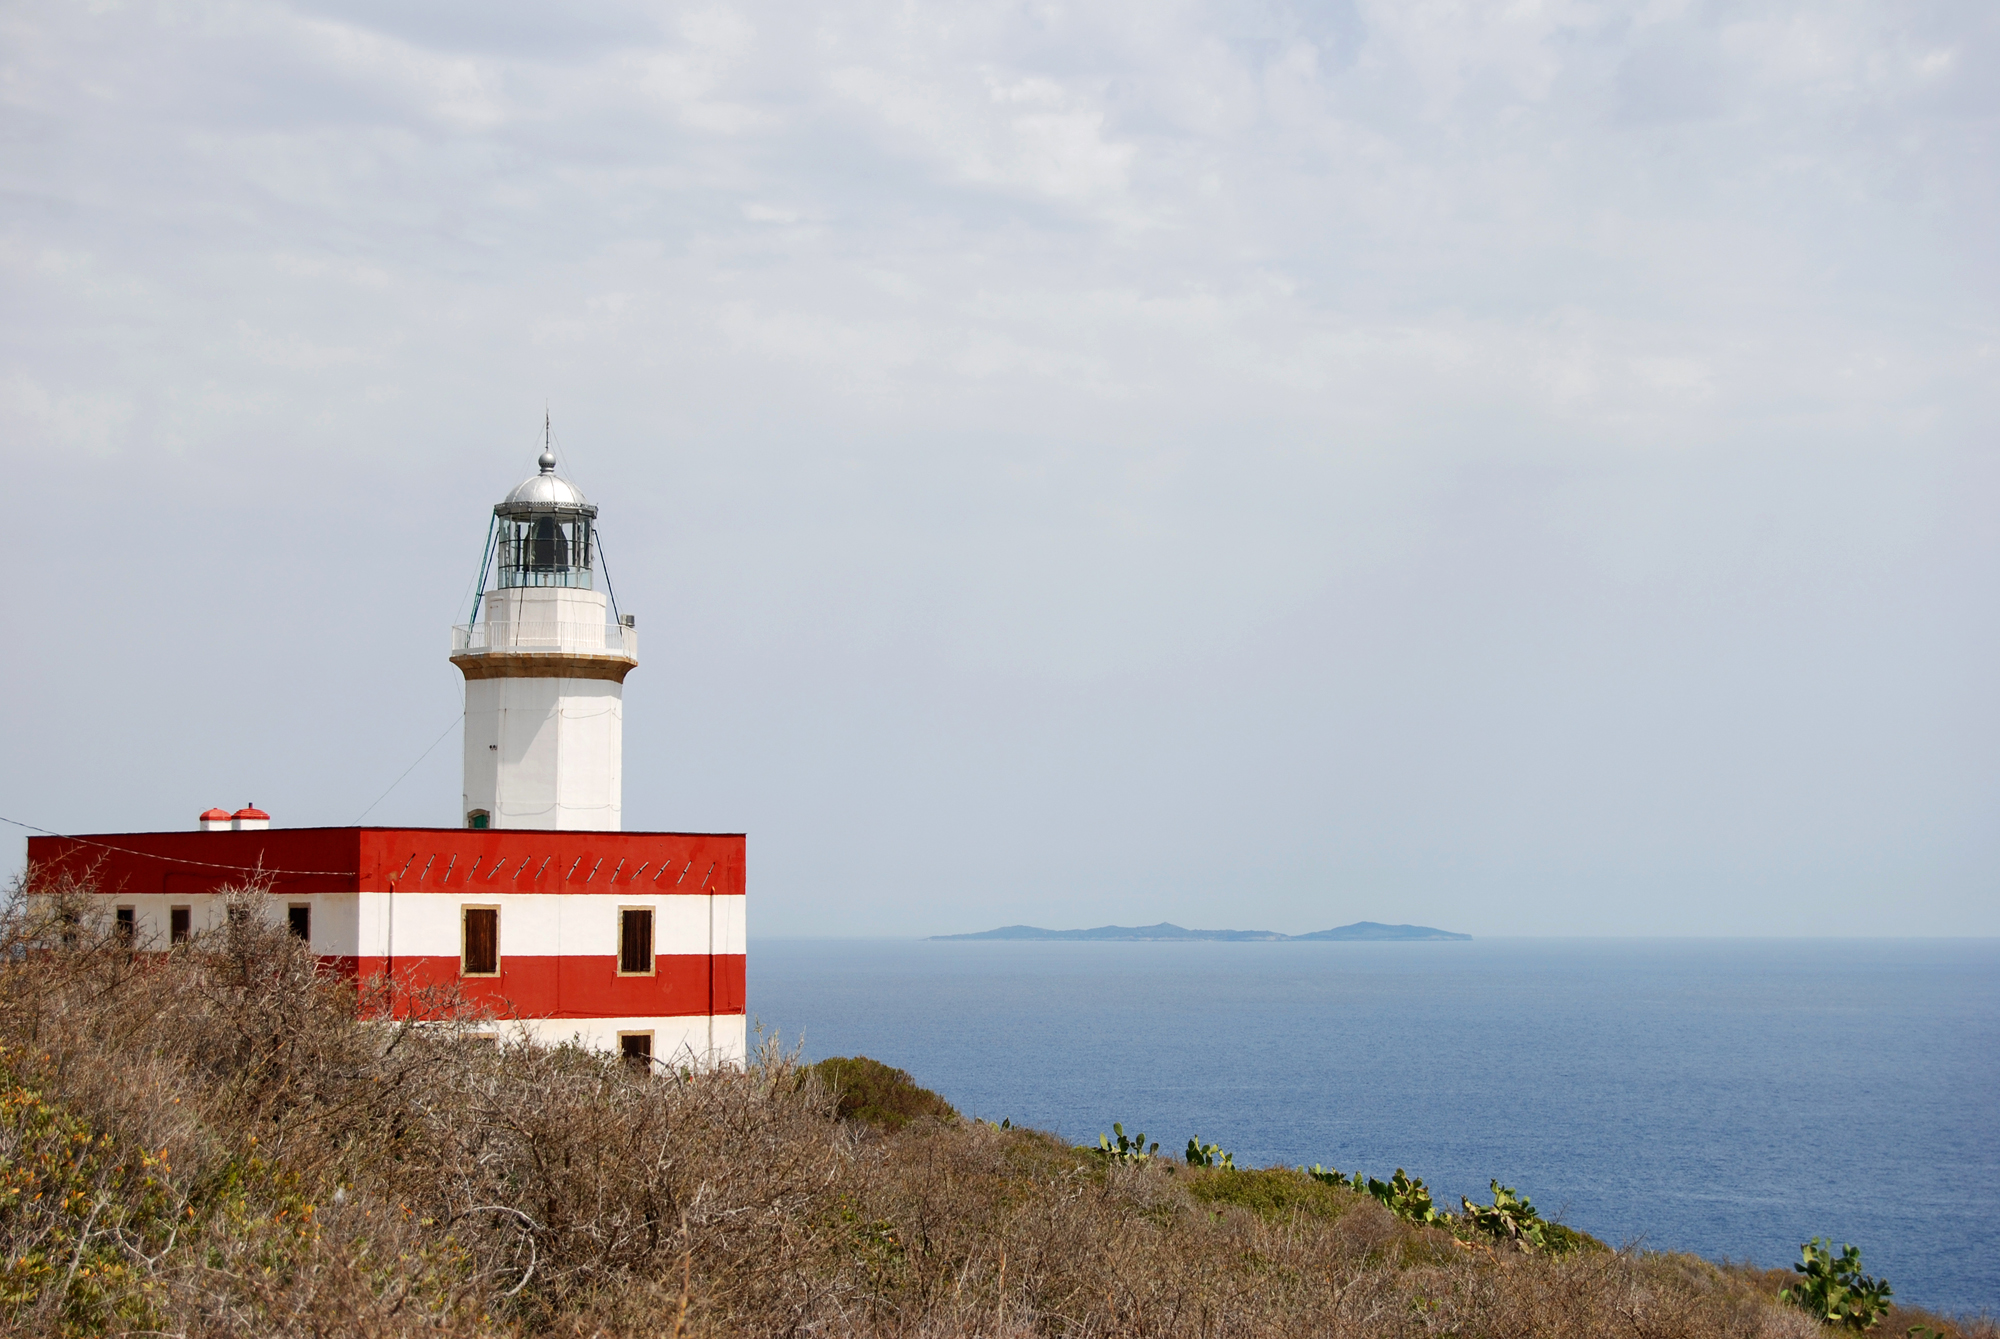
[{"x": 545, "y": 551}]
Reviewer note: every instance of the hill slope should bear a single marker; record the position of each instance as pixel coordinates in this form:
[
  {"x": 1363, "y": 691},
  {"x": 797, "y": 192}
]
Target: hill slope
[{"x": 207, "y": 1141}]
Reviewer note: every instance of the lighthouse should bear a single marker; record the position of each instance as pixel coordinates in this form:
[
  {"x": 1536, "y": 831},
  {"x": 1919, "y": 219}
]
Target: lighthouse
[
  {"x": 545, "y": 658},
  {"x": 535, "y": 907}
]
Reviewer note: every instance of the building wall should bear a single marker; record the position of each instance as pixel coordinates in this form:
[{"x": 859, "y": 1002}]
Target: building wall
[
  {"x": 718, "y": 1039},
  {"x": 387, "y": 904}
]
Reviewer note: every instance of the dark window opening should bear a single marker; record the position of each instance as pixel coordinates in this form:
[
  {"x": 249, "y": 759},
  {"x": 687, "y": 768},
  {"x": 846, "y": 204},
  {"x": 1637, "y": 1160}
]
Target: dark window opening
[
  {"x": 127, "y": 928},
  {"x": 179, "y": 924},
  {"x": 635, "y": 940},
  {"x": 636, "y": 1048},
  {"x": 301, "y": 921},
  {"x": 478, "y": 818},
  {"x": 482, "y": 941},
  {"x": 239, "y": 915}
]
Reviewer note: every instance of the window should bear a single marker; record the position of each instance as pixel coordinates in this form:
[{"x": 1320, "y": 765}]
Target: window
[
  {"x": 636, "y": 1048},
  {"x": 300, "y": 918},
  {"x": 239, "y": 915},
  {"x": 479, "y": 818},
  {"x": 179, "y": 924},
  {"x": 481, "y": 951},
  {"x": 635, "y": 941},
  {"x": 127, "y": 927}
]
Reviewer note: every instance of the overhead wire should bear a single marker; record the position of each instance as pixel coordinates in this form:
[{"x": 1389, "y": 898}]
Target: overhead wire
[{"x": 413, "y": 766}]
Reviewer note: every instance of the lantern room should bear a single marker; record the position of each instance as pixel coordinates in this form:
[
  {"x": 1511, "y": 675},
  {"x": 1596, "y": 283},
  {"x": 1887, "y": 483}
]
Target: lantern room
[{"x": 544, "y": 533}]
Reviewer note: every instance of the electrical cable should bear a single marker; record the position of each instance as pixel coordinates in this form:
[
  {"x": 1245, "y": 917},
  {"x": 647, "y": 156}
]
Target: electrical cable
[{"x": 412, "y": 767}]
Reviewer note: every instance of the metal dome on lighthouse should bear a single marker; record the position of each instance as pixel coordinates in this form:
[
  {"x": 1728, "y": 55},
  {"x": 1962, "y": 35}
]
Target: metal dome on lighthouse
[{"x": 545, "y": 658}]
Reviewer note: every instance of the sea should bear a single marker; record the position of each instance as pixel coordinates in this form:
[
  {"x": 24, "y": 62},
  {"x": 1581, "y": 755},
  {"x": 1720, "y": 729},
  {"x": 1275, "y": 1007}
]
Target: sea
[{"x": 1732, "y": 1098}]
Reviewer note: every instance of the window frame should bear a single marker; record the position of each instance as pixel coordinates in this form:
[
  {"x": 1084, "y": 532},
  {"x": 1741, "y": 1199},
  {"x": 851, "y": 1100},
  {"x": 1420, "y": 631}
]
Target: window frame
[
  {"x": 652, "y": 940},
  {"x": 186, "y": 928},
  {"x": 125, "y": 925},
  {"x": 465, "y": 939},
  {"x": 293, "y": 925},
  {"x": 631, "y": 1057}
]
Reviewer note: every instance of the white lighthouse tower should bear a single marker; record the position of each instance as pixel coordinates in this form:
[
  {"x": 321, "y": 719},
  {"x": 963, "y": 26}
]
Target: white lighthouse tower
[{"x": 545, "y": 658}]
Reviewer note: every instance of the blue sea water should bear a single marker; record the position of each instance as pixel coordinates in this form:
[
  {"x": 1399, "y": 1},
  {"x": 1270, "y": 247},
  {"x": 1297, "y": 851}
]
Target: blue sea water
[{"x": 1727, "y": 1097}]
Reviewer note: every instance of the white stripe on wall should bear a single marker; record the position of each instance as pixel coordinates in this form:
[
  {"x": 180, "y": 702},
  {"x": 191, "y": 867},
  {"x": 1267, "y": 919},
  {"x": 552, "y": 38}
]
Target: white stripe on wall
[{"x": 427, "y": 924}]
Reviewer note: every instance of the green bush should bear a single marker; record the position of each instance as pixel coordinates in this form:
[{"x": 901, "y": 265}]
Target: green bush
[
  {"x": 1834, "y": 1289},
  {"x": 878, "y": 1094},
  {"x": 1560, "y": 1240},
  {"x": 1273, "y": 1193}
]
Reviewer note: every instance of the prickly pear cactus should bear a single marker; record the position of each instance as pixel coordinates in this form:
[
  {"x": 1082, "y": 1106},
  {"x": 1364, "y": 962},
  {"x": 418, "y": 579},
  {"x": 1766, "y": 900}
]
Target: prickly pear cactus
[
  {"x": 1125, "y": 1150},
  {"x": 1208, "y": 1155}
]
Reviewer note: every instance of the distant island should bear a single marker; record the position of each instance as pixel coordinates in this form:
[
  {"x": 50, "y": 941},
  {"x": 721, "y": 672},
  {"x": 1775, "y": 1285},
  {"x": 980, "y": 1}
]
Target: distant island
[{"x": 1166, "y": 930}]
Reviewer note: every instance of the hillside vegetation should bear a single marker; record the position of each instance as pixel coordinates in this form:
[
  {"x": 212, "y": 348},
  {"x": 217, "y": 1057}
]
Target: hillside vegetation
[{"x": 208, "y": 1142}]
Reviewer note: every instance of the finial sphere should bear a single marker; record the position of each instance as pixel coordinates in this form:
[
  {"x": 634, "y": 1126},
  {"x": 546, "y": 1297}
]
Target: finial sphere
[{"x": 548, "y": 462}]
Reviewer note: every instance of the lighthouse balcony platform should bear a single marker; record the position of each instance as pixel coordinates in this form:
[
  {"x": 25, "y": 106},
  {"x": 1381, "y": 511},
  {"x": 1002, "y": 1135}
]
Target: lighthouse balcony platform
[
  {"x": 557, "y": 637},
  {"x": 554, "y": 648}
]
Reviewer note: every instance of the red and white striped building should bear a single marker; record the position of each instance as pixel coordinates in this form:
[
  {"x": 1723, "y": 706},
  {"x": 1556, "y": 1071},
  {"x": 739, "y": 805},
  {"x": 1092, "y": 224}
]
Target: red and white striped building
[{"x": 539, "y": 908}]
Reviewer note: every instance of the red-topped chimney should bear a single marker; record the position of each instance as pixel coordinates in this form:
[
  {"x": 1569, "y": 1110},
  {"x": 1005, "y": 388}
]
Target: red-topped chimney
[
  {"x": 214, "y": 820},
  {"x": 249, "y": 819}
]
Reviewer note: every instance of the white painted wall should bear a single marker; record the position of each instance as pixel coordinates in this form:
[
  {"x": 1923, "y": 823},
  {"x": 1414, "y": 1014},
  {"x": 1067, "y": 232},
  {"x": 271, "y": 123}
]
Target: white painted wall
[
  {"x": 545, "y": 753},
  {"x": 546, "y": 618},
  {"x": 544, "y": 923},
  {"x": 698, "y": 1042},
  {"x": 427, "y": 924},
  {"x": 351, "y": 924}
]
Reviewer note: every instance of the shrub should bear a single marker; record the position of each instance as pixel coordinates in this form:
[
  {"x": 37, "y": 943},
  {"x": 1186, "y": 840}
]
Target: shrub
[
  {"x": 1273, "y": 1193},
  {"x": 1559, "y": 1239},
  {"x": 877, "y": 1094},
  {"x": 1834, "y": 1289}
]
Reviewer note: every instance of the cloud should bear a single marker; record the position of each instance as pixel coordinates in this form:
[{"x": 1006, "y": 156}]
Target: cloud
[{"x": 1460, "y": 443}]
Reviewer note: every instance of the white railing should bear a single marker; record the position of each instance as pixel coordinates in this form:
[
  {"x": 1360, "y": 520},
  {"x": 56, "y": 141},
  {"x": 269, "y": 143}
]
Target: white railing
[{"x": 554, "y": 637}]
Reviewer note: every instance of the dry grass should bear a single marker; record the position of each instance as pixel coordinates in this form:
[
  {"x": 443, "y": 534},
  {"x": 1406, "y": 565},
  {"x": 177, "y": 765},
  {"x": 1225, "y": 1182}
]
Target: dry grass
[{"x": 208, "y": 1142}]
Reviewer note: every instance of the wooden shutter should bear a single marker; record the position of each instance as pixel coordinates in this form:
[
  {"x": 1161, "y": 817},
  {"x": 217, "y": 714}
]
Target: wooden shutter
[
  {"x": 482, "y": 941},
  {"x": 635, "y": 940}
]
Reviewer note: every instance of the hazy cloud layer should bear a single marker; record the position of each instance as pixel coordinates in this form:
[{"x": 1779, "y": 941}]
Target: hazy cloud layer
[{"x": 1527, "y": 468}]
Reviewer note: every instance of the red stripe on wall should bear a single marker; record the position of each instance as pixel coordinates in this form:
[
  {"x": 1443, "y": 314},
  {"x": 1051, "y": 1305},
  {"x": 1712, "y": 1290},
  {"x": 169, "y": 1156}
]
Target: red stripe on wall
[
  {"x": 409, "y": 860},
  {"x": 578, "y": 986}
]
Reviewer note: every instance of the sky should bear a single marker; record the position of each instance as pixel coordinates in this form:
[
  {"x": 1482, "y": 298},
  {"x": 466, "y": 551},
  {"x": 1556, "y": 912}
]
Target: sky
[{"x": 1528, "y": 468}]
